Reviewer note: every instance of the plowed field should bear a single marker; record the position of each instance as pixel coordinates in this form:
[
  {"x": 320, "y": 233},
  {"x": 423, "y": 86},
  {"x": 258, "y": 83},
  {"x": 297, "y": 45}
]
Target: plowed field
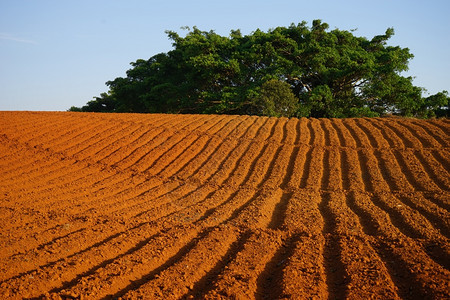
[{"x": 99, "y": 206}]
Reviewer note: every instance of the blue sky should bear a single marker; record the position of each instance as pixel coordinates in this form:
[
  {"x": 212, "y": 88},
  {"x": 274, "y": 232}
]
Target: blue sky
[{"x": 57, "y": 54}]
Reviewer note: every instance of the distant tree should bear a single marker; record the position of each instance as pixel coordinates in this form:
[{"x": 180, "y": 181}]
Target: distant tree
[
  {"x": 104, "y": 103},
  {"x": 329, "y": 74},
  {"x": 276, "y": 99},
  {"x": 74, "y": 108}
]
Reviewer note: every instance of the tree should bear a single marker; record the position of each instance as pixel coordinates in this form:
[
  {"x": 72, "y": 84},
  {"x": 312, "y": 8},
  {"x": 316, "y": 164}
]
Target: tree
[
  {"x": 328, "y": 74},
  {"x": 276, "y": 99}
]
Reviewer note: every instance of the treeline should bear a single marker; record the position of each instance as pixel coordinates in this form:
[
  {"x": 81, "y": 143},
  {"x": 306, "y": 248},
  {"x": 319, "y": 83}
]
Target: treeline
[{"x": 290, "y": 71}]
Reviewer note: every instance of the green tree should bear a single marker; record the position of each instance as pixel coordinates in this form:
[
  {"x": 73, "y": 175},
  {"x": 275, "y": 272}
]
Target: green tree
[
  {"x": 276, "y": 100},
  {"x": 330, "y": 73}
]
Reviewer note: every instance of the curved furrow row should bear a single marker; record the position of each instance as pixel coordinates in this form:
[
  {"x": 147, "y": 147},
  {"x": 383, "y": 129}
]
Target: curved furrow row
[
  {"x": 164, "y": 139},
  {"x": 438, "y": 173},
  {"x": 440, "y": 137},
  {"x": 402, "y": 256},
  {"x": 219, "y": 153},
  {"x": 36, "y": 170},
  {"x": 364, "y": 134},
  {"x": 388, "y": 135},
  {"x": 197, "y": 206},
  {"x": 35, "y": 127},
  {"x": 317, "y": 133},
  {"x": 326, "y": 133},
  {"x": 425, "y": 138},
  {"x": 346, "y": 137},
  {"x": 220, "y": 212},
  {"x": 358, "y": 270},
  {"x": 442, "y": 127},
  {"x": 304, "y": 132},
  {"x": 400, "y": 133},
  {"x": 411, "y": 223},
  {"x": 338, "y": 129},
  {"x": 170, "y": 155},
  {"x": 359, "y": 139},
  {"x": 209, "y": 144},
  {"x": 335, "y": 136},
  {"x": 377, "y": 134},
  {"x": 417, "y": 172}
]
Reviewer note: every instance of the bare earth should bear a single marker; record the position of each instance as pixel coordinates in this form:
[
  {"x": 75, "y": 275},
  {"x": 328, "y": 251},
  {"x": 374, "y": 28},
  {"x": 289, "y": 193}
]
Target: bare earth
[{"x": 99, "y": 206}]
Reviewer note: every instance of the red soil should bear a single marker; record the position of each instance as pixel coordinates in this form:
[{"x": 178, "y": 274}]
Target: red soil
[{"x": 99, "y": 206}]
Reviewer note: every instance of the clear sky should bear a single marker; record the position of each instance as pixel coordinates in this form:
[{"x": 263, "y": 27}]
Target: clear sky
[{"x": 55, "y": 54}]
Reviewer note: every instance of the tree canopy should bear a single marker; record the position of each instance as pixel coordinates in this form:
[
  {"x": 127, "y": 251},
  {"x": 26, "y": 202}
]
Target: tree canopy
[{"x": 287, "y": 71}]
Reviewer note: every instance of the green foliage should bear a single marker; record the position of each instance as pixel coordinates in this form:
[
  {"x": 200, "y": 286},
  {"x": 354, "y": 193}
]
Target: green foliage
[
  {"x": 276, "y": 99},
  {"x": 104, "y": 103},
  {"x": 287, "y": 71}
]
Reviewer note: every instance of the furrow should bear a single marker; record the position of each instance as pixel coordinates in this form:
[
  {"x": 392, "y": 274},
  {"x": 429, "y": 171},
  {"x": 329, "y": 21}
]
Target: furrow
[
  {"x": 335, "y": 136},
  {"x": 435, "y": 171},
  {"x": 135, "y": 143},
  {"x": 366, "y": 138},
  {"x": 338, "y": 131},
  {"x": 292, "y": 133},
  {"x": 317, "y": 133},
  {"x": 181, "y": 149},
  {"x": 387, "y": 134},
  {"x": 442, "y": 128},
  {"x": 311, "y": 131},
  {"x": 118, "y": 239},
  {"x": 112, "y": 143},
  {"x": 364, "y": 273},
  {"x": 155, "y": 162},
  {"x": 39, "y": 130},
  {"x": 303, "y": 272},
  {"x": 204, "y": 285},
  {"x": 304, "y": 132},
  {"x": 401, "y": 255},
  {"x": 326, "y": 132},
  {"x": 138, "y": 154},
  {"x": 270, "y": 283},
  {"x": 335, "y": 179},
  {"x": 353, "y": 172},
  {"x": 422, "y": 172},
  {"x": 89, "y": 140},
  {"x": 303, "y": 180},
  {"x": 432, "y": 133},
  {"x": 325, "y": 181},
  {"x": 419, "y": 134},
  {"x": 365, "y": 171},
  {"x": 443, "y": 157},
  {"x": 284, "y": 123},
  {"x": 409, "y": 175},
  {"x": 239, "y": 279},
  {"x": 435, "y": 215},
  {"x": 154, "y": 154},
  {"x": 316, "y": 169},
  {"x": 103, "y": 206},
  {"x": 356, "y": 138},
  {"x": 346, "y": 136},
  {"x": 222, "y": 211},
  {"x": 363, "y": 130},
  {"x": 405, "y": 136},
  {"x": 290, "y": 168},
  {"x": 390, "y": 172},
  {"x": 345, "y": 170},
  {"x": 375, "y": 133},
  {"x": 335, "y": 274},
  {"x": 209, "y": 162},
  {"x": 184, "y": 274},
  {"x": 379, "y": 180}
]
